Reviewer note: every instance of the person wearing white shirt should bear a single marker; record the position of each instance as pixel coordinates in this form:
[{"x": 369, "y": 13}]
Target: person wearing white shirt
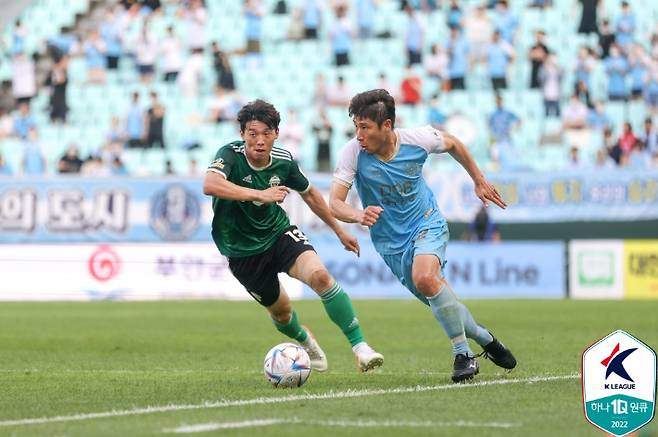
[{"x": 172, "y": 58}]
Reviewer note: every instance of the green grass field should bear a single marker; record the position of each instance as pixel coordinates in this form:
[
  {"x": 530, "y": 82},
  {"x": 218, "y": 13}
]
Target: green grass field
[{"x": 92, "y": 369}]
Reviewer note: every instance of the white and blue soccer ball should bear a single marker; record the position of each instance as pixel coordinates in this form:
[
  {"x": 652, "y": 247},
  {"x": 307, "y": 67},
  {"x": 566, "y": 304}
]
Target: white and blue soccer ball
[{"x": 287, "y": 365}]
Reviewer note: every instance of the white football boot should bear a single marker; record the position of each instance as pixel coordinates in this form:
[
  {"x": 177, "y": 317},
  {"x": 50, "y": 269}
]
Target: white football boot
[
  {"x": 366, "y": 357},
  {"x": 315, "y": 352}
]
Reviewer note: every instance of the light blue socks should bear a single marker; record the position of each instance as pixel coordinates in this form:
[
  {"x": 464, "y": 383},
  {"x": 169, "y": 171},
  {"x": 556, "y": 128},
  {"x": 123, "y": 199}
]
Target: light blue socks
[{"x": 448, "y": 313}]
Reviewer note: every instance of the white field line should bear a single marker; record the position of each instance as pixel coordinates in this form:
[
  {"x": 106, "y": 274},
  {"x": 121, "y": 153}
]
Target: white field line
[
  {"x": 280, "y": 399},
  {"x": 205, "y": 427}
]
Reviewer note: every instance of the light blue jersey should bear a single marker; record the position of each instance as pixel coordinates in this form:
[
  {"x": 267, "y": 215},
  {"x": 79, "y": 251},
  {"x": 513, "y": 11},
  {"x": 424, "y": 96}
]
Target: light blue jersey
[{"x": 398, "y": 186}]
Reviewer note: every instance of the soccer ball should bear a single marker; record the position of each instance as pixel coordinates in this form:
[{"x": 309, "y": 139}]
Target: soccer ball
[{"x": 287, "y": 365}]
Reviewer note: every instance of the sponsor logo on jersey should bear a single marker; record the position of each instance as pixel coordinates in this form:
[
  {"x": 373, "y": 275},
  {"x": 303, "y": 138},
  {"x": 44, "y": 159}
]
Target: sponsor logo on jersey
[
  {"x": 218, "y": 164},
  {"x": 247, "y": 179},
  {"x": 175, "y": 213}
]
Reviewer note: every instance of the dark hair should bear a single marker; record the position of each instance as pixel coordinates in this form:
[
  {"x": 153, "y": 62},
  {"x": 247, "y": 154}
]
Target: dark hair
[
  {"x": 376, "y": 105},
  {"x": 259, "y": 110}
]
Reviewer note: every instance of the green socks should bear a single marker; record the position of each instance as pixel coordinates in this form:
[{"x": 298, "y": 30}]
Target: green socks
[
  {"x": 338, "y": 306},
  {"x": 292, "y": 329}
]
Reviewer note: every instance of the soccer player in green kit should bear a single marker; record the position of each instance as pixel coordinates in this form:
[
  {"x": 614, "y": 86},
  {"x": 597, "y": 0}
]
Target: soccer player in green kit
[{"x": 247, "y": 180}]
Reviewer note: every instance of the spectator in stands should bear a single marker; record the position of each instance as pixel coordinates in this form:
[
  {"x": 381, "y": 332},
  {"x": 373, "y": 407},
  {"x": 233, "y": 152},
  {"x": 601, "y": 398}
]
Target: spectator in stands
[
  {"x": 94, "y": 50},
  {"x": 34, "y": 161},
  {"x": 94, "y": 166},
  {"x": 312, "y": 15},
  {"x": 323, "y": 130},
  {"x": 651, "y": 86},
  {"x": 111, "y": 33},
  {"x": 550, "y": 79},
  {"x": 218, "y": 106},
  {"x": 116, "y": 134},
  {"x": 436, "y": 118},
  {"x": 649, "y": 136},
  {"x": 414, "y": 37},
  {"x": 6, "y": 124},
  {"x": 585, "y": 63},
  {"x": 625, "y": 26},
  {"x": 575, "y": 114},
  {"x": 411, "y": 88},
  {"x": 253, "y": 13},
  {"x": 5, "y": 168},
  {"x": 340, "y": 94},
  {"x": 604, "y": 160},
  {"x": 171, "y": 50},
  {"x": 18, "y": 36},
  {"x": 341, "y": 35},
  {"x": 146, "y": 51},
  {"x": 458, "y": 54},
  {"x": 169, "y": 168},
  {"x": 582, "y": 91},
  {"x": 478, "y": 28},
  {"x": 501, "y": 123},
  {"x": 366, "y": 12},
  {"x": 23, "y": 79},
  {"x": 291, "y": 135},
  {"x": 611, "y": 145},
  {"x": 155, "y": 123},
  {"x": 482, "y": 228},
  {"x": 575, "y": 162},
  {"x": 296, "y": 25},
  {"x": 454, "y": 16},
  {"x": 597, "y": 118},
  {"x": 499, "y": 55},
  {"x": 320, "y": 92},
  {"x": 383, "y": 83},
  {"x": 436, "y": 64},
  {"x": 135, "y": 123},
  {"x": 65, "y": 43},
  {"x": 70, "y": 162},
  {"x": 537, "y": 54},
  {"x": 616, "y": 67},
  {"x": 193, "y": 169},
  {"x": 222, "y": 66},
  {"x": 24, "y": 120},
  {"x": 117, "y": 168},
  {"x": 195, "y": 16},
  {"x": 627, "y": 140},
  {"x": 588, "y": 20},
  {"x": 57, "y": 80},
  {"x": 639, "y": 157},
  {"x": 638, "y": 62},
  {"x": 606, "y": 39},
  {"x": 190, "y": 76},
  {"x": 505, "y": 21}
]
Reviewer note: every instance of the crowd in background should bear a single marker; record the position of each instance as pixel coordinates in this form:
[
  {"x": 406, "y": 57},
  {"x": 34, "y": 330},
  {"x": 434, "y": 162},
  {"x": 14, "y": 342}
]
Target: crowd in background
[{"x": 481, "y": 35}]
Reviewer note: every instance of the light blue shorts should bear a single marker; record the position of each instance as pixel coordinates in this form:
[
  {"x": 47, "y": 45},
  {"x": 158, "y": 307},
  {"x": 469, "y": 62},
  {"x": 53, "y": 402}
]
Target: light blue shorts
[{"x": 432, "y": 241}]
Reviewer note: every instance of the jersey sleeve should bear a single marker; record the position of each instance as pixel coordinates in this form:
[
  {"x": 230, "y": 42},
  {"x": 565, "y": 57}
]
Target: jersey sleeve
[
  {"x": 297, "y": 180},
  {"x": 346, "y": 167},
  {"x": 426, "y": 137},
  {"x": 223, "y": 162}
]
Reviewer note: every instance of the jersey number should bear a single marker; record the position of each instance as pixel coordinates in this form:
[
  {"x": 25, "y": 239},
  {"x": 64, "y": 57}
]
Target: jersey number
[{"x": 297, "y": 236}]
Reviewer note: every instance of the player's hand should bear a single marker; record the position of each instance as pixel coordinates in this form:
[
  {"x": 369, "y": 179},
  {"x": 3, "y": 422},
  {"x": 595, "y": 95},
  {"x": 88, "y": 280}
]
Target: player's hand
[
  {"x": 274, "y": 194},
  {"x": 487, "y": 192},
  {"x": 350, "y": 242},
  {"x": 370, "y": 215}
]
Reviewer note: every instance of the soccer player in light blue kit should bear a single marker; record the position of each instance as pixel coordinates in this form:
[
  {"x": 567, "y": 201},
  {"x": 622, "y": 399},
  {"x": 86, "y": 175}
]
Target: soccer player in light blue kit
[{"x": 407, "y": 228}]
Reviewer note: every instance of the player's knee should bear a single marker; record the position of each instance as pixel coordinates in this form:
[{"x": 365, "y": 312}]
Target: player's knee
[
  {"x": 321, "y": 280},
  {"x": 282, "y": 314},
  {"x": 426, "y": 283}
]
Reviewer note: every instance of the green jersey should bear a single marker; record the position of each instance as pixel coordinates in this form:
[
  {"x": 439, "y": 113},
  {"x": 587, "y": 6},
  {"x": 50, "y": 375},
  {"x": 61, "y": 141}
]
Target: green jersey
[{"x": 245, "y": 228}]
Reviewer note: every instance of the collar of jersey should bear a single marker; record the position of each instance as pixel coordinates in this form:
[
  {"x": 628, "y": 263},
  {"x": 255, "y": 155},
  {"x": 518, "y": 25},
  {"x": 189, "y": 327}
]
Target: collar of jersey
[
  {"x": 253, "y": 167},
  {"x": 397, "y": 149}
]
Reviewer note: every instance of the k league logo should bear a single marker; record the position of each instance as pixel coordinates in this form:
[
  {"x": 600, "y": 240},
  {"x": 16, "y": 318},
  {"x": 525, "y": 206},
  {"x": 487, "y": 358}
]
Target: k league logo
[{"x": 619, "y": 383}]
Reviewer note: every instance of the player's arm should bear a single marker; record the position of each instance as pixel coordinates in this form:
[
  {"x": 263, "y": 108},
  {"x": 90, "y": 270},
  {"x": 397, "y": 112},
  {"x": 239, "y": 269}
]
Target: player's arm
[
  {"x": 215, "y": 184},
  {"x": 316, "y": 202},
  {"x": 483, "y": 188},
  {"x": 345, "y": 212}
]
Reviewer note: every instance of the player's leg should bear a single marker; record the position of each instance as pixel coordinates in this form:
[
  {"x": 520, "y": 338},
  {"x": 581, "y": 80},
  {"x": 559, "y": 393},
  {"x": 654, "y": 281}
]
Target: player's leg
[{"x": 309, "y": 269}]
